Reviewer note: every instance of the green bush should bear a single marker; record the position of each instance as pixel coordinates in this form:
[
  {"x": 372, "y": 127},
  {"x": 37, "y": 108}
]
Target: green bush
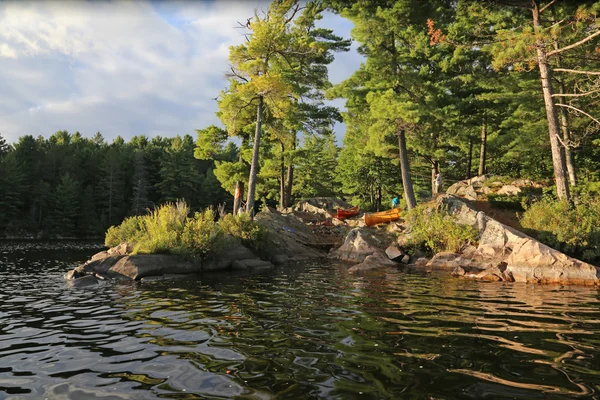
[
  {"x": 128, "y": 231},
  {"x": 201, "y": 234},
  {"x": 250, "y": 232},
  {"x": 572, "y": 229},
  {"x": 168, "y": 229},
  {"x": 162, "y": 229},
  {"x": 436, "y": 230}
]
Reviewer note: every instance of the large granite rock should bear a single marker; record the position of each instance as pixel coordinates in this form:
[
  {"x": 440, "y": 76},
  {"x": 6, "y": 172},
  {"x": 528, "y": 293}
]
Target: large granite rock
[
  {"x": 290, "y": 239},
  {"x": 363, "y": 247},
  {"x": 119, "y": 263},
  {"x": 506, "y": 254},
  {"x": 324, "y": 206}
]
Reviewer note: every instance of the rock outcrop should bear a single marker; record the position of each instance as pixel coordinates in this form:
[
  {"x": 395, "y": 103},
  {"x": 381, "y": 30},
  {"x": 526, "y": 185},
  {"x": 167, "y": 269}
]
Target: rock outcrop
[
  {"x": 290, "y": 240},
  {"x": 506, "y": 254},
  {"x": 481, "y": 186},
  {"x": 363, "y": 247},
  {"x": 325, "y": 206}
]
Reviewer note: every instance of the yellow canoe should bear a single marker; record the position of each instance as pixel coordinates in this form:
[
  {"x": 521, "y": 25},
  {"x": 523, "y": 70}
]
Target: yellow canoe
[{"x": 382, "y": 217}]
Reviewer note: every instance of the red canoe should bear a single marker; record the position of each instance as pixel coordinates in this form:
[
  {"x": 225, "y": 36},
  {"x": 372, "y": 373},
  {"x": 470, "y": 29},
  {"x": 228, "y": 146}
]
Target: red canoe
[{"x": 346, "y": 213}]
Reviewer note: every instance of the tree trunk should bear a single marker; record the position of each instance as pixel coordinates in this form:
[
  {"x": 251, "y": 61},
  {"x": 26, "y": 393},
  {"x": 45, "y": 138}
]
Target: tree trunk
[
  {"x": 483, "y": 149},
  {"x": 470, "y": 158},
  {"x": 378, "y": 197},
  {"x": 565, "y": 129},
  {"x": 237, "y": 197},
  {"x": 254, "y": 165},
  {"x": 435, "y": 169},
  {"x": 558, "y": 158},
  {"x": 282, "y": 178},
  {"x": 289, "y": 180},
  {"x": 239, "y": 186},
  {"x": 566, "y": 135},
  {"x": 110, "y": 193},
  {"x": 409, "y": 193}
]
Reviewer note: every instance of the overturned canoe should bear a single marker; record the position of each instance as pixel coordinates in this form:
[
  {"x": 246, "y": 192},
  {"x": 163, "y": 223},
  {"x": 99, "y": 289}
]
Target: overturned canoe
[
  {"x": 382, "y": 217},
  {"x": 346, "y": 213}
]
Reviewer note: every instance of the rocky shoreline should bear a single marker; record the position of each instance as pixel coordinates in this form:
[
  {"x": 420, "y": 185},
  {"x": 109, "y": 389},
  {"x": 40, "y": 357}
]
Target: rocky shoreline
[{"x": 310, "y": 232}]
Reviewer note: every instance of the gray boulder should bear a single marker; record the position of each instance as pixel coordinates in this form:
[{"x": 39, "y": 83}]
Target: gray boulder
[
  {"x": 324, "y": 206},
  {"x": 289, "y": 239},
  {"x": 509, "y": 190},
  {"x": 87, "y": 280},
  {"x": 506, "y": 254},
  {"x": 363, "y": 248},
  {"x": 394, "y": 253}
]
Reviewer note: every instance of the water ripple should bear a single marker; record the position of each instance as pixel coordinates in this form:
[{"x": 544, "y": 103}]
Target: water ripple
[{"x": 308, "y": 332}]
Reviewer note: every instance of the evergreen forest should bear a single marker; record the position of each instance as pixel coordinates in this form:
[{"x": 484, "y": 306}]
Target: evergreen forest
[{"x": 461, "y": 88}]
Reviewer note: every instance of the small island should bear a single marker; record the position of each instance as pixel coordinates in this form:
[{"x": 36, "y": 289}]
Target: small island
[{"x": 446, "y": 235}]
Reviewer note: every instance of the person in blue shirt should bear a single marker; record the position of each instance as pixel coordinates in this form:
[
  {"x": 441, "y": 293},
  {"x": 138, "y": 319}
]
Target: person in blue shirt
[{"x": 395, "y": 202}]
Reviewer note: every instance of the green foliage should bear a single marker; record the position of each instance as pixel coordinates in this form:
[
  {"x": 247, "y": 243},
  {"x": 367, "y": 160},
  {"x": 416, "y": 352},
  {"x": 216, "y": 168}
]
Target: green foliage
[
  {"x": 436, "y": 230},
  {"x": 572, "y": 229},
  {"x": 130, "y": 230},
  {"x": 65, "y": 210},
  {"x": 250, "y": 232},
  {"x": 210, "y": 142},
  {"x": 12, "y": 189},
  {"x": 162, "y": 229},
  {"x": 169, "y": 229},
  {"x": 315, "y": 171},
  {"x": 201, "y": 235},
  {"x": 4, "y": 147}
]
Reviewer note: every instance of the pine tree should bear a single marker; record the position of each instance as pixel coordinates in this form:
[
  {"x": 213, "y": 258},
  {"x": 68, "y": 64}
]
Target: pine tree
[
  {"x": 4, "y": 147},
  {"x": 179, "y": 172},
  {"x": 316, "y": 166},
  {"x": 12, "y": 191},
  {"x": 111, "y": 186},
  {"x": 267, "y": 72},
  {"x": 140, "y": 186},
  {"x": 65, "y": 210}
]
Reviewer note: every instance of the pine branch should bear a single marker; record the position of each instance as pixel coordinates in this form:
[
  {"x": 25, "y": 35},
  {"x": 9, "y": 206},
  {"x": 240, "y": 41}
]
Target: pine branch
[
  {"x": 574, "y": 71},
  {"x": 547, "y": 5},
  {"x": 571, "y": 46},
  {"x": 575, "y": 94},
  {"x": 579, "y": 111}
]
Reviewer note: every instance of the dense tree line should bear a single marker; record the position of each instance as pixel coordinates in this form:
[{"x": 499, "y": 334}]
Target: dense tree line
[
  {"x": 462, "y": 88},
  {"x": 68, "y": 185}
]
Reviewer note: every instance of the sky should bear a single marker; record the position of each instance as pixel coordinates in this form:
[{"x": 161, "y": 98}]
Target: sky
[{"x": 125, "y": 67}]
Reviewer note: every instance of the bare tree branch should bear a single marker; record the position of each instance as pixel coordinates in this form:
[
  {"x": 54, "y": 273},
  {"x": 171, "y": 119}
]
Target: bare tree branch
[
  {"x": 579, "y": 111},
  {"x": 235, "y": 74},
  {"x": 546, "y": 6},
  {"x": 287, "y": 21},
  {"x": 571, "y": 46},
  {"x": 574, "y": 71},
  {"x": 575, "y": 94}
]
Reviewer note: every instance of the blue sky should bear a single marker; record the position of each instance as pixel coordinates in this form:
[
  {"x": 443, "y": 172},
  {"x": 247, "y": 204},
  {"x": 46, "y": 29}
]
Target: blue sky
[{"x": 123, "y": 68}]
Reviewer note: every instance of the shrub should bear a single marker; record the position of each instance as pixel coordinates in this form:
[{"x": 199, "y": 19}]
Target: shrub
[
  {"x": 129, "y": 231},
  {"x": 572, "y": 229},
  {"x": 201, "y": 234},
  {"x": 168, "y": 229},
  {"x": 436, "y": 230},
  {"x": 250, "y": 232},
  {"x": 162, "y": 229}
]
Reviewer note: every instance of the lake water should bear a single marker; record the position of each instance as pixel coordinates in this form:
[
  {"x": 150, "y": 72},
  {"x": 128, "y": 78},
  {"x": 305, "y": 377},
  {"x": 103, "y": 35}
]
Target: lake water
[{"x": 309, "y": 332}]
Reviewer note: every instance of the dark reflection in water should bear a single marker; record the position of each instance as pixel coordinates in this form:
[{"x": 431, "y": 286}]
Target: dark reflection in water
[{"x": 308, "y": 332}]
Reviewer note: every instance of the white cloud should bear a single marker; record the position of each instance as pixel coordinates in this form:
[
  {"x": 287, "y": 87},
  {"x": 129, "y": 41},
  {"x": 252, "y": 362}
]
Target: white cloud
[
  {"x": 122, "y": 68},
  {"x": 7, "y": 51}
]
